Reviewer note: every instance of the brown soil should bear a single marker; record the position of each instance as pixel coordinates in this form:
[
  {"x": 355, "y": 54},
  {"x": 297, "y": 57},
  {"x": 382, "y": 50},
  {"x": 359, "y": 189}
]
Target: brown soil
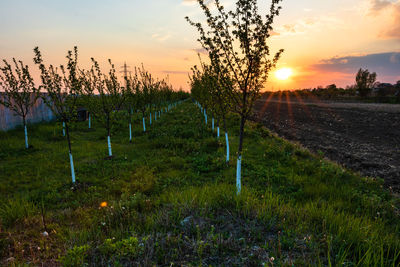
[{"x": 362, "y": 137}]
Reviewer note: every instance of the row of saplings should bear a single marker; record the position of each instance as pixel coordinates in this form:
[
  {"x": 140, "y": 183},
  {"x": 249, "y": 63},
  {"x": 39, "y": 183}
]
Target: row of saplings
[{"x": 66, "y": 88}]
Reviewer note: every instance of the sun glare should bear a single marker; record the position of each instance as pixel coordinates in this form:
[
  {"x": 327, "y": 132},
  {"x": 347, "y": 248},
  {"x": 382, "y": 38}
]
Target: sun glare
[{"x": 283, "y": 74}]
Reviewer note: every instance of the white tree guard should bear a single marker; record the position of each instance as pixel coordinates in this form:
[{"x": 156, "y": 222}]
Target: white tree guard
[
  {"x": 71, "y": 161},
  {"x": 218, "y": 131},
  {"x": 130, "y": 132},
  {"x": 227, "y": 146},
  {"x": 109, "y": 146},
  {"x": 238, "y": 175},
  {"x": 26, "y": 137},
  {"x": 144, "y": 125},
  {"x": 63, "y": 128}
]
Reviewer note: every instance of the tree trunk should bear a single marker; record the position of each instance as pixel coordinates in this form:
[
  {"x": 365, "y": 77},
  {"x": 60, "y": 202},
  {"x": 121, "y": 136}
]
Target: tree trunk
[{"x": 71, "y": 160}]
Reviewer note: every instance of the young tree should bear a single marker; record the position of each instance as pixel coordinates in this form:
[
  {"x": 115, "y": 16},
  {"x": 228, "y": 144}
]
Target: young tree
[
  {"x": 161, "y": 96},
  {"x": 156, "y": 98},
  {"x": 152, "y": 85},
  {"x": 62, "y": 92},
  {"x": 237, "y": 42},
  {"x": 142, "y": 94},
  {"x": 87, "y": 94},
  {"x": 146, "y": 92},
  {"x": 132, "y": 84},
  {"x": 365, "y": 81},
  {"x": 19, "y": 91},
  {"x": 111, "y": 96}
]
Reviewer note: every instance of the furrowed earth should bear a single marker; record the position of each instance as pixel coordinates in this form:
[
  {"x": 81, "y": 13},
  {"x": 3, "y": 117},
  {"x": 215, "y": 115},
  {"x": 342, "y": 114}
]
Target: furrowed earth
[{"x": 361, "y": 136}]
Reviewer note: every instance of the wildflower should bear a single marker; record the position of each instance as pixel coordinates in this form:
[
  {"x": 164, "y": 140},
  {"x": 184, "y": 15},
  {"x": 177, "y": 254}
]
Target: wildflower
[
  {"x": 103, "y": 204},
  {"x": 272, "y": 258},
  {"x": 45, "y": 234}
]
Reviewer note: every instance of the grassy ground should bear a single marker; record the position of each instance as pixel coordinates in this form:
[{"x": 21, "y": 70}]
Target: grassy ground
[{"x": 171, "y": 200}]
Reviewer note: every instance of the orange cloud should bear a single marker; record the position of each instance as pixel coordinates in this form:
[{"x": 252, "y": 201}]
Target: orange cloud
[
  {"x": 394, "y": 31},
  {"x": 379, "y": 5}
]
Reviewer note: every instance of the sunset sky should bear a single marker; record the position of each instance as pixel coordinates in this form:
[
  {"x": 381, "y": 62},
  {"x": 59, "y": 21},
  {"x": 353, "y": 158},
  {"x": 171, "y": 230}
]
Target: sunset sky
[{"x": 325, "y": 42}]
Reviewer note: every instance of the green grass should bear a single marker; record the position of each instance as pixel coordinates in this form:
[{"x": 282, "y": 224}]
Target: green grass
[{"x": 171, "y": 200}]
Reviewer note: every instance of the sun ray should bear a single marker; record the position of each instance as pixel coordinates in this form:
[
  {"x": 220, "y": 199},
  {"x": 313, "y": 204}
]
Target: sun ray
[
  {"x": 290, "y": 112},
  {"x": 265, "y": 105},
  {"x": 278, "y": 108},
  {"x": 303, "y": 105}
]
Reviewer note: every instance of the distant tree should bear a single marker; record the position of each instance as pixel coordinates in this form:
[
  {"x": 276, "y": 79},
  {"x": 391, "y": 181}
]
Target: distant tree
[
  {"x": 236, "y": 41},
  {"x": 351, "y": 90},
  {"x": 365, "y": 81},
  {"x": 397, "y": 86},
  {"x": 19, "y": 91},
  {"x": 63, "y": 87},
  {"x": 331, "y": 90}
]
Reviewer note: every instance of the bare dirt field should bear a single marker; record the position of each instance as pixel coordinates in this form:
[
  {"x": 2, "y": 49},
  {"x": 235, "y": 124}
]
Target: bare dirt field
[{"x": 362, "y": 137}]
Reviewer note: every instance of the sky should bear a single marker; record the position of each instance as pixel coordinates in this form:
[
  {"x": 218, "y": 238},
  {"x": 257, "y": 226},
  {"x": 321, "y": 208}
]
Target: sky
[{"x": 325, "y": 42}]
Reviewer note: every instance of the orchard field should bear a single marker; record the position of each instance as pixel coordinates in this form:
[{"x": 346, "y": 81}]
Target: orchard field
[
  {"x": 169, "y": 198},
  {"x": 136, "y": 173}
]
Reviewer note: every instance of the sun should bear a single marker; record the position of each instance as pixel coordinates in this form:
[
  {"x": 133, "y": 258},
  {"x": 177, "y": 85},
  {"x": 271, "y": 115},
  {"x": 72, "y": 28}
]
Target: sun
[{"x": 283, "y": 74}]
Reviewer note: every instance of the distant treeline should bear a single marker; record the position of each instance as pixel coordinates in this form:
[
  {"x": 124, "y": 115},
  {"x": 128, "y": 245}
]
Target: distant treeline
[{"x": 363, "y": 90}]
